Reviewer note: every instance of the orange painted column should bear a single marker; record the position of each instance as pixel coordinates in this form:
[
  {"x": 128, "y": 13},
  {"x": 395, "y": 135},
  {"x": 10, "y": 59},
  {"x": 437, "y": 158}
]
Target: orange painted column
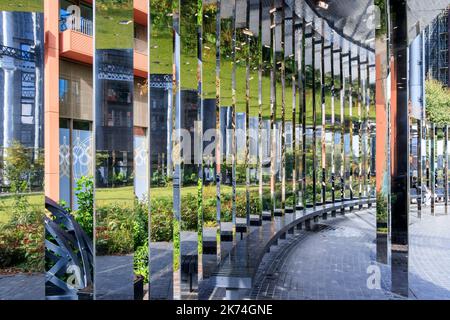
[
  {"x": 381, "y": 122},
  {"x": 51, "y": 107}
]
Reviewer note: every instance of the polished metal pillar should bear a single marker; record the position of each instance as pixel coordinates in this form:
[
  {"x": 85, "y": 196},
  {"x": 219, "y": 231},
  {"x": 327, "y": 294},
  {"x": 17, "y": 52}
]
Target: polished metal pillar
[
  {"x": 295, "y": 143},
  {"x": 160, "y": 146},
  {"x": 113, "y": 141},
  {"x": 209, "y": 227},
  {"x": 281, "y": 61},
  {"x": 419, "y": 167},
  {"x": 350, "y": 124},
  {"x": 433, "y": 167},
  {"x": 343, "y": 172},
  {"x": 23, "y": 164},
  {"x": 323, "y": 120},
  {"x": 225, "y": 93},
  {"x": 360, "y": 158},
  {"x": 446, "y": 168},
  {"x": 273, "y": 103},
  {"x": 333, "y": 125},
  {"x": 302, "y": 114},
  {"x": 382, "y": 156},
  {"x": 399, "y": 148},
  {"x": 314, "y": 114}
]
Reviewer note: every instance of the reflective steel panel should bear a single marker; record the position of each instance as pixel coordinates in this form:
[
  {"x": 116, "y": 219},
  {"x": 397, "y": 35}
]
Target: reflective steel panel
[
  {"x": 114, "y": 198},
  {"x": 22, "y": 211}
]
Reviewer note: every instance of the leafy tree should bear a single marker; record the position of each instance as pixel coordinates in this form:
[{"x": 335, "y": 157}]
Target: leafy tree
[{"x": 437, "y": 98}]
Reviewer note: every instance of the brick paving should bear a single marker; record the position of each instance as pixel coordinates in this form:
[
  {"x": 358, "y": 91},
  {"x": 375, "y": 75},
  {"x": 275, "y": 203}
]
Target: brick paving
[
  {"x": 114, "y": 278},
  {"x": 429, "y": 255},
  {"x": 332, "y": 260},
  {"x": 329, "y": 262},
  {"x": 22, "y": 287}
]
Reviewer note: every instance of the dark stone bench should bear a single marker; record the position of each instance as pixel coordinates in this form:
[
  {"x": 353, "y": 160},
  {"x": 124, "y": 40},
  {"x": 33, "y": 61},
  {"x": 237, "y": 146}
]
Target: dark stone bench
[
  {"x": 255, "y": 220},
  {"x": 189, "y": 264},
  {"x": 241, "y": 227},
  {"x": 238, "y": 268},
  {"x": 266, "y": 216},
  {"x": 226, "y": 235}
]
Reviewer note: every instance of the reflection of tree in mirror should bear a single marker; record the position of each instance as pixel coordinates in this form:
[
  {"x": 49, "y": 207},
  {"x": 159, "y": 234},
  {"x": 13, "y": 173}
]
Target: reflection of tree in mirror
[
  {"x": 437, "y": 102},
  {"x": 21, "y": 233}
]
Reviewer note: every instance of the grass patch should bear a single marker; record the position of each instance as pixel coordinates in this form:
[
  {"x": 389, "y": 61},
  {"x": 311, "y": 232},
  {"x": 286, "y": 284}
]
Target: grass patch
[
  {"x": 111, "y": 33},
  {"x": 36, "y": 201},
  {"x": 22, "y": 5}
]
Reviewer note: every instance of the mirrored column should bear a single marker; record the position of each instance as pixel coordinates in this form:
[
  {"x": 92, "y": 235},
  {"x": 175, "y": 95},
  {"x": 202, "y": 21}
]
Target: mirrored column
[
  {"x": 308, "y": 142},
  {"x": 266, "y": 98},
  {"x": 226, "y": 48},
  {"x": 161, "y": 124},
  {"x": 114, "y": 205},
  {"x": 399, "y": 148},
  {"x": 382, "y": 165},
  {"x": 188, "y": 127},
  {"x": 212, "y": 146},
  {"x": 241, "y": 93},
  {"x": 253, "y": 63},
  {"x": 22, "y": 201},
  {"x": 290, "y": 111},
  {"x": 280, "y": 110}
]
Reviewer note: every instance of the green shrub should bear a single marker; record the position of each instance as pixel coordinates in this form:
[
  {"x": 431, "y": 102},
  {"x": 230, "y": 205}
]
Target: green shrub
[
  {"x": 189, "y": 206},
  {"x": 140, "y": 225},
  {"x": 141, "y": 261},
  {"x": 161, "y": 220},
  {"x": 114, "y": 230},
  {"x": 84, "y": 215},
  {"x": 22, "y": 248}
]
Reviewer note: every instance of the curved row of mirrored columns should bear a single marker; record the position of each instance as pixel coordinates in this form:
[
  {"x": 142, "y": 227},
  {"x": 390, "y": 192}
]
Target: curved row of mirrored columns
[
  {"x": 239, "y": 142},
  {"x": 232, "y": 67}
]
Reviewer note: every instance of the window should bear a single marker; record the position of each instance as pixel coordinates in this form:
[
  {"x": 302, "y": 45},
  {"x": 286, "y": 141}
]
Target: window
[
  {"x": 28, "y": 85},
  {"x": 63, "y": 90}
]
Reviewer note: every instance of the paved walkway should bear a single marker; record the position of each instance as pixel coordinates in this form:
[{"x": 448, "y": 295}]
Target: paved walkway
[
  {"x": 429, "y": 255},
  {"x": 336, "y": 259},
  {"x": 22, "y": 287},
  {"x": 332, "y": 261}
]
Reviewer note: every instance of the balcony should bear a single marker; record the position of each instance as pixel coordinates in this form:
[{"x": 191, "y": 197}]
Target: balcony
[
  {"x": 141, "y": 11},
  {"x": 76, "y": 43}
]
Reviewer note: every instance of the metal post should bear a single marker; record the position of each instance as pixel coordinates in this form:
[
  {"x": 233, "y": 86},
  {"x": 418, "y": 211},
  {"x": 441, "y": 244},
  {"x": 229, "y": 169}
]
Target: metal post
[
  {"x": 399, "y": 148},
  {"x": 283, "y": 111},
  {"x": 333, "y": 125},
  {"x": 446, "y": 168},
  {"x": 273, "y": 104},
  {"x": 419, "y": 168},
  {"x": 343, "y": 124},
  {"x": 360, "y": 131},
  {"x": 433, "y": 168},
  {"x": 314, "y": 112},
  {"x": 302, "y": 118},
  {"x": 323, "y": 111},
  {"x": 350, "y": 111}
]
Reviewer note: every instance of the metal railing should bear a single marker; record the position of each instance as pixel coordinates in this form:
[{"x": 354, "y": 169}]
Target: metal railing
[{"x": 84, "y": 26}]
